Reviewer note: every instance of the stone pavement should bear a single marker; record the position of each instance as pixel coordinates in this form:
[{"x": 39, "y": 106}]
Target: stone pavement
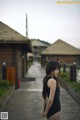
[{"x": 26, "y": 102}]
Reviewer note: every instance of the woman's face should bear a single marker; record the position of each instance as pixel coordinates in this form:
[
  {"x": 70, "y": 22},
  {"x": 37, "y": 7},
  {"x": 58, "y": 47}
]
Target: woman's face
[{"x": 55, "y": 73}]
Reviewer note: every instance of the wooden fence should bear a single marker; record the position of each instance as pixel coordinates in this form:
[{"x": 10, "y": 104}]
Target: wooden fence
[{"x": 73, "y": 70}]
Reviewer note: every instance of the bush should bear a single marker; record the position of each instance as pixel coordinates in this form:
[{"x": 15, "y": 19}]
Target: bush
[
  {"x": 66, "y": 78},
  {"x": 5, "y": 85},
  {"x": 75, "y": 85}
]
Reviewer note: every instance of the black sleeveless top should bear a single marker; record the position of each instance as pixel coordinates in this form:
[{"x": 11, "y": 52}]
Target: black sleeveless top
[{"x": 56, "y": 107}]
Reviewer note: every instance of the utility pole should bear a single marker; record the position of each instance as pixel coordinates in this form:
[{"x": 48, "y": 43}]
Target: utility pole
[{"x": 26, "y": 26}]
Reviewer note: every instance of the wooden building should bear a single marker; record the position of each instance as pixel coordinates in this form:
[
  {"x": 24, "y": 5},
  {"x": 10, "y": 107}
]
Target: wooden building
[
  {"x": 13, "y": 49},
  {"x": 61, "y": 51},
  {"x": 38, "y": 47}
]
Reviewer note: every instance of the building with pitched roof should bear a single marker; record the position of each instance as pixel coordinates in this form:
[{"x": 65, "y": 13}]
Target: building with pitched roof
[
  {"x": 38, "y": 47},
  {"x": 62, "y": 51},
  {"x": 13, "y": 49}
]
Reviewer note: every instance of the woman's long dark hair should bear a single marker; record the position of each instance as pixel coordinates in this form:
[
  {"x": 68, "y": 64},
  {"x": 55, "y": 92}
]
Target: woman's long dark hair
[{"x": 51, "y": 66}]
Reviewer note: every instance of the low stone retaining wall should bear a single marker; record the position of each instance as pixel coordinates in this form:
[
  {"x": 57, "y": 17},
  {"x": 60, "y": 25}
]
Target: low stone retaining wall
[
  {"x": 5, "y": 99},
  {"x": 73, "y": 93}
]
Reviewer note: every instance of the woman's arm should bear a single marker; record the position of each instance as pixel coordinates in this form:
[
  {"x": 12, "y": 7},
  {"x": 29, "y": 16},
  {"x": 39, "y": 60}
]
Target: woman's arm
[
  {"x": 43, "y": 106},
  {"x": 52, "y": 86}
]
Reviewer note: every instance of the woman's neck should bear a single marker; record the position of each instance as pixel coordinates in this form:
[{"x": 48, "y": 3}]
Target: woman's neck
[{"x": 51, "y": 76}]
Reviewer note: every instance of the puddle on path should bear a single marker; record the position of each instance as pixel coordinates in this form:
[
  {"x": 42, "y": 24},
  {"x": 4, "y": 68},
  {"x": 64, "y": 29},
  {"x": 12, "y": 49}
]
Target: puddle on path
[{"x": 31, "y": 90}]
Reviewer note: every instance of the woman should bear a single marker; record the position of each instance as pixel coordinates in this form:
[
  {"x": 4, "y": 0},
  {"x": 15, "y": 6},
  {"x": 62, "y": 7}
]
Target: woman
[{"x": 51, "y": 92}]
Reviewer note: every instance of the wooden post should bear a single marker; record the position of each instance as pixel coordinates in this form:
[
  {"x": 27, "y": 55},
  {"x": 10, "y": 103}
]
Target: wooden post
[
  {"x": 64, "y": 68},
  {"x": 4, "y": 71},
  {"x": 73, "y": 73}
]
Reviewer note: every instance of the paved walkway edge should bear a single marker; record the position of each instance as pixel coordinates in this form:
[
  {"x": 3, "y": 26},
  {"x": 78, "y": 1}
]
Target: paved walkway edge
[
  {"x": 5, "y": 99},
  {"x": 74, "y": 94}
]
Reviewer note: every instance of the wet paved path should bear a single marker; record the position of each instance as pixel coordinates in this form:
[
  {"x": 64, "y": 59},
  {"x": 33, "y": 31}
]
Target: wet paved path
[{"x": 26, "y": 102}]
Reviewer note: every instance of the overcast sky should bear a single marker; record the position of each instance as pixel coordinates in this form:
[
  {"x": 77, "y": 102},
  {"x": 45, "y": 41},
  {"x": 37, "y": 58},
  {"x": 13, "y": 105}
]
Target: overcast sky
[{"x": 47, "y": 20}]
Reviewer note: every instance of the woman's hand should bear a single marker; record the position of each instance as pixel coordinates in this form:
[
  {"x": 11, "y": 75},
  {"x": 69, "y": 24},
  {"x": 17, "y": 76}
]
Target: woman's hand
[{"x": 44, "y": 114}]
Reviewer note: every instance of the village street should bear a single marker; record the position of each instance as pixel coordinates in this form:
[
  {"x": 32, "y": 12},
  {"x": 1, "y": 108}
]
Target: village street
[{"x": 26, "y": 102}]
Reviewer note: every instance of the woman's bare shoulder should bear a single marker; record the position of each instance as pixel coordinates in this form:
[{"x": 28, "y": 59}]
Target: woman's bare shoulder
[{"x": 51, "y": 82}]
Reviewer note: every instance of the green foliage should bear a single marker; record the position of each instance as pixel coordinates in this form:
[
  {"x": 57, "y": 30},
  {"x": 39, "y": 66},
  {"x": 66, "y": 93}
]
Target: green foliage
[
  {"x": 0, "y": 72},
  {"x": 5, "y": 85},
  {"x": 3, "y": 91},
  {"x": 74, "y": 85},
  {"x": 66, "y": 78},
  {"x": 29, "y": 64}
]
